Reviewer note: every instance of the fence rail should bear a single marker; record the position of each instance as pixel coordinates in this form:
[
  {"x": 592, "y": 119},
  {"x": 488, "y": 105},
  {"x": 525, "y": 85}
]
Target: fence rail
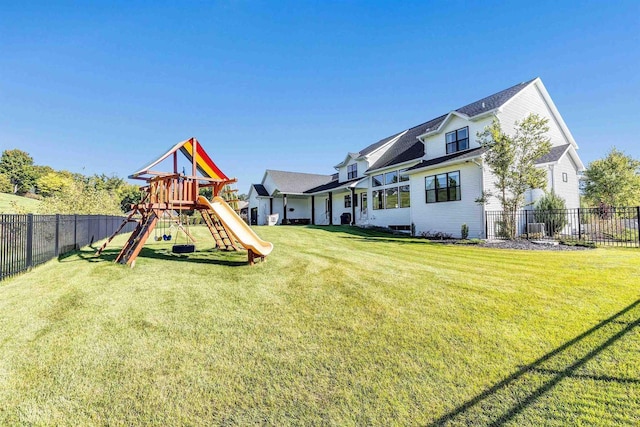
[
  {"x": 30, "y": 240},
  {"x": 615, "y": 226}
]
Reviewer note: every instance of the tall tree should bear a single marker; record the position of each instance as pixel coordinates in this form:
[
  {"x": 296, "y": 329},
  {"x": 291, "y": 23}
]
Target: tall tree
[
  {"x": 18, "y": 166},
  {"x": 511, "y": 159},
  {"x": 613, "y": 180}
]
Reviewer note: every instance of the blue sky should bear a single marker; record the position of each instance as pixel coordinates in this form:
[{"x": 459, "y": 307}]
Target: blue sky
[{"x": 104, "y": 87}]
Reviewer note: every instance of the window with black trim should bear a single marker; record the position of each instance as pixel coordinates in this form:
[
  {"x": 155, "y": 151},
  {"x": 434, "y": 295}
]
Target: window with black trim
[
  {"x": 458, "y": 140},
  {"x": 378, "y": 199},
  {"x": 363, "y": 202},
  {"x": 347, "y": 201},
  {"x": 565, "y": 177},
  {"x": 352, "y": 171},
  {"x": 444, "y": 187}
]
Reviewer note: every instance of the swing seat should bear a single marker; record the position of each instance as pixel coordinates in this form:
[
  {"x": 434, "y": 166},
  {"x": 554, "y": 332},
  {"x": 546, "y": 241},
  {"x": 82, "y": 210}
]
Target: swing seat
[{"x": 183, "y": 249}]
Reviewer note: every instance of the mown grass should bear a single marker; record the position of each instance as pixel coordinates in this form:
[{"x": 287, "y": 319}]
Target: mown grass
[
  {"x": 10, "y": 203},
  {"x": 339, "y": 327}
]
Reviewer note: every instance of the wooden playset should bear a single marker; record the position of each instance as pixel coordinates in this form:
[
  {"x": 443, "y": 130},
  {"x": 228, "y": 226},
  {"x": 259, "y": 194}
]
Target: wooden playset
[{"x": 166, "y": 193}]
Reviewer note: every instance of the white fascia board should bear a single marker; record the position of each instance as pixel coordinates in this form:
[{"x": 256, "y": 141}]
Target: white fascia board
[
  {"x": 340, "y": 187},
  {"x": 576, "y": 159},
  {"x": 444, "y": 123},
  {"x": 444, "y": 164},
  {"x": 393, "y": 167},
  {"x": 537, "y": 82},
  {"x": 510, "y": 100},
  {"x": 556, "y": 114},
  {"x": 385, "y": 144},
  {"x": 346, "y": 159}
]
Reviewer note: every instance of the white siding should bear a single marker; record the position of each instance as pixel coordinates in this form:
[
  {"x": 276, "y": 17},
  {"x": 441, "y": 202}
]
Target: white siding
[
  {"x": 338, "y": 205},
  {"x": 448, "y": 217},
  {"x": 530, "y": 100},
  {"x": 322, "y": 215},
  {"x": 569, "y": 190},
  {"x": 435, "y": 145},
  {"x": 269, "y": 184},
  {"x": 343, "y": 171},
  {"x": 301, "y": 207}
]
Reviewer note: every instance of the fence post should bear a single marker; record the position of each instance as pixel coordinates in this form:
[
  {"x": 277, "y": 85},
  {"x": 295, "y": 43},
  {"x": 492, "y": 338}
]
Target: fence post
[
  {"x": 638, "y": 223},
  {"x": 579, "y": 225},
  {"x": 57, "y": 250},
  {"x": 486, "y": 225},
  {"x": 526, "y": 223},
  {"x": 29, "y": 240},
  {"x": 75, "y": 232}
]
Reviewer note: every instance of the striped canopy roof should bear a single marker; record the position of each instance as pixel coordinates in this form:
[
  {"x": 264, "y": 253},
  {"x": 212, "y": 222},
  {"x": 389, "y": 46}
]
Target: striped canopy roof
[{"x": 204, "y": 164}]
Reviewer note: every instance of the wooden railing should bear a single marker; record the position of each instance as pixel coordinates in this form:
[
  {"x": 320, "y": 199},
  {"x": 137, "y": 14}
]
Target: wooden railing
[{"x": 173, "y": 190}]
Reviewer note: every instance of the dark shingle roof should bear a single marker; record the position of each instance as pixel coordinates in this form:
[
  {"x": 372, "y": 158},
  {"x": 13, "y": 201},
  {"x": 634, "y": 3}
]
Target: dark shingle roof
[
  {"x": 554, "y": 154},
  {"x": 332, "y": 185},
  {"x": 408, "y": 147},
  {"x": 373, "y": 147},
  {"x": 469, "y": 154},
  {"x": 492, "y": 101},
  {"x": 260, "y": 190},
  {"x": 296, "y": 182}
]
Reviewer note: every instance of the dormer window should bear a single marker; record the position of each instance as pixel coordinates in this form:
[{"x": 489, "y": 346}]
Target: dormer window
[
  {"x": 458, "y": 140},
  {"x": 352, "y": 171}
]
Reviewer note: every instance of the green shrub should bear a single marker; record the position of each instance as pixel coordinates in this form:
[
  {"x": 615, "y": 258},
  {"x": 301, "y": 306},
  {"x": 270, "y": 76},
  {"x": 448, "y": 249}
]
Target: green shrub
[
  {"x": 464, "y": 231},
  {"x": 549, "y": 209}
]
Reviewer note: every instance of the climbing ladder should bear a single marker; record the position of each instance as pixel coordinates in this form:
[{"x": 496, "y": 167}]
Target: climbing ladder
[
  {"x": 224, "y": 239},
  {"x": 138, "y": 238}
]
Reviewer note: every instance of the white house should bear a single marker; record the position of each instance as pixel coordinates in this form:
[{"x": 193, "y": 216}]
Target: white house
[{"x": 429, "y": 175}]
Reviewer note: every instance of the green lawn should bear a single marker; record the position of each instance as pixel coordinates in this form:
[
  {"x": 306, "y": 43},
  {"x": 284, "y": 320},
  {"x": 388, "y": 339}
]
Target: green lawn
[
  {"x": 338, "y": 327},
  {"x": 8, "y": 203}
]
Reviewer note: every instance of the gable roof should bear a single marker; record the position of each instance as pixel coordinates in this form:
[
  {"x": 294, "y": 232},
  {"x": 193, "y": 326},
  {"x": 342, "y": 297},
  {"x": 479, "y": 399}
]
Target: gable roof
[
  {"x": 260, "y": 190},
  {"x": 554, "y": 154},
  {"x": 409, "y": 147},
  {"x": 204, "y": 164},
  {"x": 297, "y": 182},
  {"x": 464, "y": 155}
]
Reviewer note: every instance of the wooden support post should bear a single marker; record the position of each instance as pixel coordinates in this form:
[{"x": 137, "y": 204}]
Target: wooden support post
[
  {"x": 330, "y": 208},
  {"x": 270, "y": 205},
  {"x": 194, "y": 169},
  {"x": 253, "y": 256},
  {"x": 313, "y": 210}
]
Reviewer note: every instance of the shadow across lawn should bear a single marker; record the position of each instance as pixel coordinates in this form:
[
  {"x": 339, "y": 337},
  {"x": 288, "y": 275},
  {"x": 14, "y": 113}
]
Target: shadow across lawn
[
  {"x": 566, "y": 362},
  {"x": 207, "y": 256}
]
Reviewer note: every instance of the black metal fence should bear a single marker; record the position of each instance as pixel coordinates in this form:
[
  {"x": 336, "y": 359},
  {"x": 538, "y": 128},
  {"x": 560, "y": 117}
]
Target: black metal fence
[
  {"x": 30, "y": 240},
  {"x": 617, "y": 226}
]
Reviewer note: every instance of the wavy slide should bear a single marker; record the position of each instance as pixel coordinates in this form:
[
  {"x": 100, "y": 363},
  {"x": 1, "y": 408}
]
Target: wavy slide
[{"x": 243, "y": 233}]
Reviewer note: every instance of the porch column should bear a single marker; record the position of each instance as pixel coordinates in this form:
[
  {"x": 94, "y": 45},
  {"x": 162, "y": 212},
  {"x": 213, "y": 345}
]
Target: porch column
[
  {"x": 330, "y": 208},
  {"x": 313, "y": 210},
  {"x": 270, "y": 205},
  {"x": 284, "y": 204},
  {"x": 353, "y": 206}
]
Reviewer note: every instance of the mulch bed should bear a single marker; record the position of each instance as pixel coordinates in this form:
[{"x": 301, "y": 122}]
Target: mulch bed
[{"x": 524, "y": 245}]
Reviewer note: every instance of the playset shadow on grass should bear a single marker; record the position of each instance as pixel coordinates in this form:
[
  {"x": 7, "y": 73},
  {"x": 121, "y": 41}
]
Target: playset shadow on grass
[{"x": 170, "y": 194}]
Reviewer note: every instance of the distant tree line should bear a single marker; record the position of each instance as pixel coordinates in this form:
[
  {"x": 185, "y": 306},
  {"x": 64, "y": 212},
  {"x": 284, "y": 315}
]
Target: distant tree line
[{"x": 62, "y": 191}]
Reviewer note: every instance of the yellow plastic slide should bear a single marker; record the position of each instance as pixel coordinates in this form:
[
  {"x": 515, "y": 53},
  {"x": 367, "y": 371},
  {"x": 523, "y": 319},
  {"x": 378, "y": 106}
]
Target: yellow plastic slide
[{"x": 243, "y": 233}]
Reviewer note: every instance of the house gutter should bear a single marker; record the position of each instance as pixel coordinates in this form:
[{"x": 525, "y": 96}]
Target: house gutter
[
  {"x": 443, "y": 164},
  {"x": 396, "y": 166}
]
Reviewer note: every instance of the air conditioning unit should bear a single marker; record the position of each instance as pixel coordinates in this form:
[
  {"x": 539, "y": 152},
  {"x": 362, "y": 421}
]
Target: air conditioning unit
[{"x": 535, "y": 228}]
